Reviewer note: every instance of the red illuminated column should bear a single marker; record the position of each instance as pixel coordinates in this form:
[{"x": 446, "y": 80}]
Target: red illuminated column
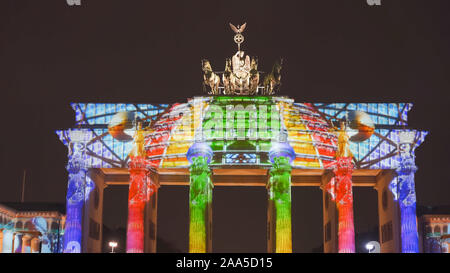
[
  {"x": 344, "y": 201},
  {"x": 137, "y": 197}
]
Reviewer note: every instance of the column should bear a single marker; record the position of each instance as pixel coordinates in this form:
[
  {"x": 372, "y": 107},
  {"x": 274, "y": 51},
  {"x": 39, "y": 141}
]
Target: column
[
  {"x": 141, "y": 190},
  {"x": 75, "y": 196},
  {"x": 407, "y": 193},
  {"x": 281, "y": 155},
  {"x": 46, "y": 242},
  {"x": 136, "y": 204},
  {"x": 35, "y": 245},
  {"x": 151, "y": 213},
  {"x": 26, "y": 244},
  {"x": 341, "y": 189},
  {"x": 344, "y": 202},
  {"x": 1, "y": 241},
  {"x": 7, "y": 241},
  {"x": 200, "y": 198},
  {"x": 17, "y": 243}
]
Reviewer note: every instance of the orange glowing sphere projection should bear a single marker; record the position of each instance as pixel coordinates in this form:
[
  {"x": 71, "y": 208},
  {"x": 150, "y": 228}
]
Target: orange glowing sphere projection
[
  {"x": 361, "y": 126},
  {"x": 121, "y": 125}
]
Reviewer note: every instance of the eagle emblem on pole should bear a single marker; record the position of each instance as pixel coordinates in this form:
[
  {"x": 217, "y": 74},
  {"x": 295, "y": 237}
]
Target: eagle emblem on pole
[{"x": 238, "y": 37}]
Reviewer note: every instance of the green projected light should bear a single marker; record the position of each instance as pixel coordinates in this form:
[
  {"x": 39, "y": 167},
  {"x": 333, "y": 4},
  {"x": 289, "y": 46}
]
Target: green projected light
[
  {"x": 240, "y": 129},
  {"x": 280, "y": 199},
  {"x": 200, "y": 199}
]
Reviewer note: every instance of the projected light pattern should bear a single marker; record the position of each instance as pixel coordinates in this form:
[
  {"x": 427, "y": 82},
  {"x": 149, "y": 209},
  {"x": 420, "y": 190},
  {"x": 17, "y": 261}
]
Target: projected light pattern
[
  {"x": 79, "y": 187},
  {"x": 308, "y": 125},
  {"x": 240, "y": 129},
  {"x": 281, "y": 155},
  {"x": 280, "y": 196},
  {"x": 245, "y": 139},
  {"x": 309, "y": 134},
  {"x": 380, "y": 151},
  {"x": 102, "y": 149},
  {"x": 419, "y": 137},
  {"x": 172, "y": 134},
  {"x": 50, "y": 238},
  {"x": 403, "y": 188},
  {"x": 407, "y": 195},
  {"x": 137, "y": 197},
  {"x": 200, "y": 198},
  {"x": 30, "y": 229},
  {"x": 141, "y": 189},
  {"x": 18, "y": 243},
  {"x": 8, "y": 234},
  {"x": 340, "y": 189}
]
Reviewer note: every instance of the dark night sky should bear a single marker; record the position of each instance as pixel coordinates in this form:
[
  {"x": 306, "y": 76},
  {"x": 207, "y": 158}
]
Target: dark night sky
[{"x": 150, "y": 51}]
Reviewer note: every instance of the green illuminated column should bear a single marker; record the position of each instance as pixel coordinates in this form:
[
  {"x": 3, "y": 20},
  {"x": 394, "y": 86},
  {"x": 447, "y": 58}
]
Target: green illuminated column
[
  {"x": 279, "y": 205},
  {"x": 200, "y": 198}
]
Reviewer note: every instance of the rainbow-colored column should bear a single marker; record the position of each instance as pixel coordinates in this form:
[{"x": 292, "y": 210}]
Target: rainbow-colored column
[
  {"x": 200, "y": 198},
  {"x": 279, "y": 190},
  {"x": 76, "y": 193}
]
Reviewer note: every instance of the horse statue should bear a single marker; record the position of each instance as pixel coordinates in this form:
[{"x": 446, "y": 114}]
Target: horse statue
[
  {"x": 227, "y": 78},
  {"x": 273, "y": 80},
  {"x": 210, "y": 78},
  {"x": 254, "y": 76}
]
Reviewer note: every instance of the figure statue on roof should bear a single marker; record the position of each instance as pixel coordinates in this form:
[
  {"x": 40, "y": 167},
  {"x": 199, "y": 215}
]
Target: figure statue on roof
[
  {"x": 254, "y": 76},
  {"x": 227, "y": 78},
  {"x": 241, "y": 75},
  {"x": 273, "y": 79},
  {"x": 241, "y": 72},
  {"x": 210, "y": 78}
]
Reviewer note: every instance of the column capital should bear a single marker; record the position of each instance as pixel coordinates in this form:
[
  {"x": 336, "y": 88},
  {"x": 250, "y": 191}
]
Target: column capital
[
  {"x": 281, "y": 149},
  {"x": 199, "y": 149},
  {"x": 138, "y": 163}
]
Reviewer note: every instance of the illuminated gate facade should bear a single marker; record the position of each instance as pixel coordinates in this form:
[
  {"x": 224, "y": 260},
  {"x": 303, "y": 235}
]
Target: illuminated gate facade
[{"x": 241, "y": 134}]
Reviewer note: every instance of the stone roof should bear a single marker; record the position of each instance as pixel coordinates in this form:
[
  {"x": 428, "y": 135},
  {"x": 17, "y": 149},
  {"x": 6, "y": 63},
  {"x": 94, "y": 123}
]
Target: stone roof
[{"x": 35, "y": 207}]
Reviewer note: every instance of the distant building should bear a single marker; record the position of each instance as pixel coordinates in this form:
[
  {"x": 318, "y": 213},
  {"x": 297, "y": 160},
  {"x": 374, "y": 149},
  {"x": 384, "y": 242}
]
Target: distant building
[
  {"x": 31, "y": 227},
  {"x": 434, "y": 224}
]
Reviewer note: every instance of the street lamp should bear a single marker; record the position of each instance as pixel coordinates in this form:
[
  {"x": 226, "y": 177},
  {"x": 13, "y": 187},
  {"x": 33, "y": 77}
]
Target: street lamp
[
  {"x": 373, "y": 247},
  {"x": 370, "y": 246},
  {"x": 112, "y": 244}
]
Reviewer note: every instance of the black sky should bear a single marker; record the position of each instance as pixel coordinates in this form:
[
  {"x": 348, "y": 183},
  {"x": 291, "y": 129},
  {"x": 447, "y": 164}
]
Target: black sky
[{"x": 150, "y": 51}]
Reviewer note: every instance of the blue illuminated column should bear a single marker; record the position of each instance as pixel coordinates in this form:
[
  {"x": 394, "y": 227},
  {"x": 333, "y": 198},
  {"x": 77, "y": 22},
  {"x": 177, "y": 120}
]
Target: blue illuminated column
[
  {"x": 75, "y": 193},
  {"x": 407, "y": 194}
]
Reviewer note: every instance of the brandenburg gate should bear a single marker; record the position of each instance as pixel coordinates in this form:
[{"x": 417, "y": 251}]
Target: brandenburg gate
[{"x": 241, "y": 134}]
